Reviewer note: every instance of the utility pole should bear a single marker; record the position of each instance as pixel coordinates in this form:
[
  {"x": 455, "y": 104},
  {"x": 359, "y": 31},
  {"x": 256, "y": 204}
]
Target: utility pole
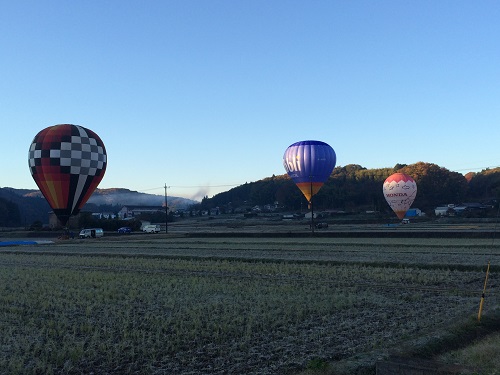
[{"x": 166, "y": 209}]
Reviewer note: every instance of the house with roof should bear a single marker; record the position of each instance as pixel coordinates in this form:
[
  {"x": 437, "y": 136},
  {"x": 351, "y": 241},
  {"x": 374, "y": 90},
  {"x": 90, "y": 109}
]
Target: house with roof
[{"x": 128, "y": 212}]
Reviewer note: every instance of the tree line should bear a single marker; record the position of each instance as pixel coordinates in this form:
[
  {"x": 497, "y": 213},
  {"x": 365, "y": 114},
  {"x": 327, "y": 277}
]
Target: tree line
[
  {"x": 353, "y": 187},
  {"x": 349, "y": 188},
  {"x": 9, "y": 213}
]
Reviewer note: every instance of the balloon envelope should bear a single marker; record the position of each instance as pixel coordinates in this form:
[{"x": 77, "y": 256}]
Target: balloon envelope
[
  {"x": 67, "y": 163},
  {"x": 400, "y": 191},
  {"x": 309, "y": 164}
]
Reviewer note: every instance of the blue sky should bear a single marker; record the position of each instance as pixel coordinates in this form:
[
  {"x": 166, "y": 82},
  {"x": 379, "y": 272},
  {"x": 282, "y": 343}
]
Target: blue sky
[{"x": 204, "y": 95}]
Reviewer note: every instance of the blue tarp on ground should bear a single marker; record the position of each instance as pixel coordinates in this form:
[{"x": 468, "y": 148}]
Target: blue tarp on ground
[
  {"x": 13, "y": 243},
  {"x": 413, "y": 212}
]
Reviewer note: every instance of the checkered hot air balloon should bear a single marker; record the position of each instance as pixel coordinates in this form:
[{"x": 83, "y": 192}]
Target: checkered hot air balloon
[
  {"x": 67, "y": 163},
  {"x": 400, "y": 191},
  {"x": 309, "y": 164}
]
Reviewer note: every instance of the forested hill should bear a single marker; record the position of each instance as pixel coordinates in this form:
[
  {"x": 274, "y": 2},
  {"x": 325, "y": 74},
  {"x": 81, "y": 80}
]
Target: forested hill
[
  {"x": 353, "y": 188},
  {"x": 22, "y": 207}
]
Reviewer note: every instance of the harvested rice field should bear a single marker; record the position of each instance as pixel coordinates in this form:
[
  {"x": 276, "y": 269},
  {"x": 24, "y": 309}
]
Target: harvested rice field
[{"x": 175, "y": 304}]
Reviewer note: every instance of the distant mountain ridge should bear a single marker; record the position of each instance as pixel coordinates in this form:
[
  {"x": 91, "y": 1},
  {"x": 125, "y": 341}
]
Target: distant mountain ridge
[
  {"x": 121, "y": 196},
  {"x": 34, "y": 207}
]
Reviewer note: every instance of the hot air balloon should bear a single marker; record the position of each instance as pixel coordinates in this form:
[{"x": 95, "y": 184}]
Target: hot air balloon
[
  {"x": 400, "y": 191},
  {"x": 309, "y": 164},
  {"x": 67, "y": 163}
]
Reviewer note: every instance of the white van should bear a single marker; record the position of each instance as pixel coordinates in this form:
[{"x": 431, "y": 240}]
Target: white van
[
  {"x": 151, "y": 228},
  {"x": 91, "y": 233}
]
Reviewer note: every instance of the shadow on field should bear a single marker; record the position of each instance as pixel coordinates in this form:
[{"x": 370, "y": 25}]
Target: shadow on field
[
  {"x": 414, "y": 359},
  {"x": 420, "y": 360}
]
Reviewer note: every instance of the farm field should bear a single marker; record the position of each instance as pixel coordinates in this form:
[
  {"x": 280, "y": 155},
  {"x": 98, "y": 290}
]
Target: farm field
[{"x": 171, "y": 304}]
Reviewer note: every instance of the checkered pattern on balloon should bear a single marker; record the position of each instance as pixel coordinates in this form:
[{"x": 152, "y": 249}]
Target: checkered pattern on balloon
[{"x": 67, "y": 163}]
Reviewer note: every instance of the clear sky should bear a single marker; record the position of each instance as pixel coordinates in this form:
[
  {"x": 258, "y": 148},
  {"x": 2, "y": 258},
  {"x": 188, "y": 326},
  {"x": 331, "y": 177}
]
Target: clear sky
[{"x": 203, "y": 95}]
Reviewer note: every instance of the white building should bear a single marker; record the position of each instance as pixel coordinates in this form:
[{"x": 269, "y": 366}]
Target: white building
[{"x": 128, "y": 212}]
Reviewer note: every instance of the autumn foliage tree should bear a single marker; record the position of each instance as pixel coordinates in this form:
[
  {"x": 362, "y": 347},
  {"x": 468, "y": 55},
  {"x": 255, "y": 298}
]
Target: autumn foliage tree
[
  {"x": 436, "y": 185},
  {"x": 484, "y": 185}
]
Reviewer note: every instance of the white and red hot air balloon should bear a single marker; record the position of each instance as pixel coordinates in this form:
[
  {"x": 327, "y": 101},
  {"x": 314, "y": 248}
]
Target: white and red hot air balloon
[{"x": 400, "y": 191}]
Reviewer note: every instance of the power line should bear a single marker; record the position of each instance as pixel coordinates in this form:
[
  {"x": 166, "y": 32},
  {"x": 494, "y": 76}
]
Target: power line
[
  {"x": 482, "y": 168},
  {"x": 191, "y": 186},
  {"x": 204, "y": 186}
]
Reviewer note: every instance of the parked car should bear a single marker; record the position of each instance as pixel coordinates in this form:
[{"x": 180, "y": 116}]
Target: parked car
[
  {"x": 151, "y": 228},
  {"x": 91, "y": 233},
  {"x": 125, "y": 230}
]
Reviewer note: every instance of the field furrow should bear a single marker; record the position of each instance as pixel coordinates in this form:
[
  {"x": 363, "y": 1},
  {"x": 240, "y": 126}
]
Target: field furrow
[{"x": 185, "y": 306}]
